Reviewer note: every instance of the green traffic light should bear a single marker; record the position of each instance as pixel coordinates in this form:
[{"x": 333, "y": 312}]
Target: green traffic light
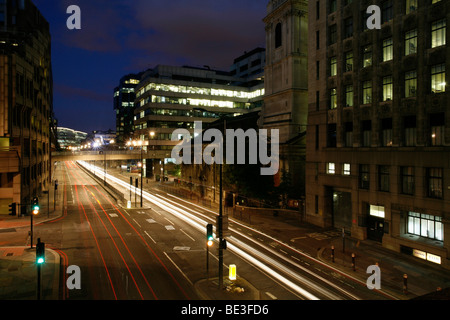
[{"x": 40, "y": 260}]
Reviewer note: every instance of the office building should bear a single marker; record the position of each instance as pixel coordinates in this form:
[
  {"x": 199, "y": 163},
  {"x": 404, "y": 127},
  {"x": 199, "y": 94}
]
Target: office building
[
  {"x": 26, "y": 93},
  {"x": 378, "y": 139},
  {"x": 124, "y": 96}
]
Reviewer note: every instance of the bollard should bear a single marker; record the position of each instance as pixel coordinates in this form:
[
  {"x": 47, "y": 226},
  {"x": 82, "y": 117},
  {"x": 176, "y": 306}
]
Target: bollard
[
  {"x": 405, "y": 283},
  {"x": 353, "y": 262},
  {"x": 332, "y": 253}
]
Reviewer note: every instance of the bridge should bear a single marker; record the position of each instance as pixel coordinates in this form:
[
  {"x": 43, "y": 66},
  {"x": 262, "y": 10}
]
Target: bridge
[{"x": 110, "y": 155}]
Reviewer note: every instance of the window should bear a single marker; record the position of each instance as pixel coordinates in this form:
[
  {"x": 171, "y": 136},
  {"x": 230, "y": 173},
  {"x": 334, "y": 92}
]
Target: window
[
  {"x": 438, "y": 78},
  {"x": 367, "y": 133},
  {"x": 386, "y": 132},
  {"x": 425, "y": 225},
  {"x": 377, "y": 211},
  {"x": 438, "y": 33},
  {"x": 388, "y": 50},
  {"x": 435, "y": 182},
  {"x": 333, "y": 98},
  {"x": 437, "y": 126},
  {"x": 410, "y": 84},
  {"x": 367, "y": 92},
  {"x": 364, "y": 176},
  {"x": 349, "y": 96},
  {"x": 411, "y": 6},
  {"x": 333, "y": 34},
  {"x": 333, "y": 66},
  {"x": 407, "y": 180},
  {"x": 332, "y": 135},
  {"x": 387, "y": 11},
  {"x": 278, "y": 36},
  {"x": 410, "y": 131},
  {"x": 331, "y": 168},
  {"x": 348, "y": 61},
  {"x": 411, "y": 42},
  {"x": 367, "y": 56},
  {"x": 383, "y": 178},
  {"x": 346, "y": 169},
  {"x": 317, "y": 10},
  {"x": 387, "y": 88},
  {"x": 333, "y": 6},
  {"x": 348, "y": 134},
  {"x": 348, "y": 28},
  {"x": 317, "y": 39}
]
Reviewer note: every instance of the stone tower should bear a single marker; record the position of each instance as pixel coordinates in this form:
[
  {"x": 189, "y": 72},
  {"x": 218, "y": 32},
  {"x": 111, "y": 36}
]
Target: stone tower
[{"x": 286, "y": 84}]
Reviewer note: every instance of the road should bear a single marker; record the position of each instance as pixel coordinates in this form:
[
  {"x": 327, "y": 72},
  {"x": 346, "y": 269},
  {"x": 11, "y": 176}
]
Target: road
[
  {"x": 293, "y": 270},
  {"x": 158, "y": 252}
]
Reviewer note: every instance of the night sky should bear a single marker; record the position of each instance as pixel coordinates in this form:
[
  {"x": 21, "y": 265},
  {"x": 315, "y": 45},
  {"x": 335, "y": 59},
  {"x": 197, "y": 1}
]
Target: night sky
[{"x": 119, "y": 37}]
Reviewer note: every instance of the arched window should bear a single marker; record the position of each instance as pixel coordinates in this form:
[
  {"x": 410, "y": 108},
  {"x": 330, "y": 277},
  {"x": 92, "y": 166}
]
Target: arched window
[{"x": 278, "y": 37}]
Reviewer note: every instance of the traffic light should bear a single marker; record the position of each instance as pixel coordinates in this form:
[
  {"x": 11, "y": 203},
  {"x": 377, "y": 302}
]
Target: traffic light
[
  {"x": 12, "y": 209},
  {"x": 40, "y": 252},
  {"x": 209, "y": 235},
  {"x": 35, "y": 206}
]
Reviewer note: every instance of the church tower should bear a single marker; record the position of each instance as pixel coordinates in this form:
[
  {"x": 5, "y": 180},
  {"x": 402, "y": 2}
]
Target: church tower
[{"x": 286, "y": 85}]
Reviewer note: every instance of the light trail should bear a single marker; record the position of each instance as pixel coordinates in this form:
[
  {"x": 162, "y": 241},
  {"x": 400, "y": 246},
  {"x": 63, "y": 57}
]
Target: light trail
[{"x": 199, "y": 224}]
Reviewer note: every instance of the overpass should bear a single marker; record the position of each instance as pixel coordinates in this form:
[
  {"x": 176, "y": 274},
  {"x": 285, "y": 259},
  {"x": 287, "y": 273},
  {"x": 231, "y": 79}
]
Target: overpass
[{"x": 110, "y": 155}]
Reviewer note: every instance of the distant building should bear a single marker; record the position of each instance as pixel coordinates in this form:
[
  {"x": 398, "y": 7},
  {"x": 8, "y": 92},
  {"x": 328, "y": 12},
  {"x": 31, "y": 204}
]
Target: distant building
[
  {"x": 169, "y": 98},
  {"x": 124, "y": 96},
  {"x": 378, "y": 144},
  {"x": 98, "y": 139},
  {"x": 26, "y": 95},
  {"x": 250, "y": 65},
  {"x": 70, "y": 138}
]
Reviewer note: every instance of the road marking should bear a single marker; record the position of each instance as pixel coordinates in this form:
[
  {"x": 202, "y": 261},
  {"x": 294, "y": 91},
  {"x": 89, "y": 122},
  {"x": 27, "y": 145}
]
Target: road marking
[
  {"x": 169, "y": 227},
  {"x": 137, "y": 223},
  {"x": 184, "y": 275},
  {"x": 284, "y": 252},
  {"x": 113, "y": 215},
  {"x": 180, "y": 248},
  {"x": 169, "y": 221},
  {"x": 149, "y": 236},
  {"x": 187, "y": 235},
  {"x": 150, "y": 220},
  {"x": 271, "y": 295},
  {"x": 295, "y": 258}
]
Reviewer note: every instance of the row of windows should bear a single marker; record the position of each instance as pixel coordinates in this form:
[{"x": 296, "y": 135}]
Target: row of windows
[
  {"x": 434, "y": 178},
  {"x": 201, "y": 91},
  {"x": 408, "y": 126},
  {"x": 386, "y": 6},
  {"x": 437, "y": 85}
]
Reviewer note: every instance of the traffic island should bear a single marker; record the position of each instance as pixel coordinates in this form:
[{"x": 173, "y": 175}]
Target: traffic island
[{"x": 239, "y": 289}]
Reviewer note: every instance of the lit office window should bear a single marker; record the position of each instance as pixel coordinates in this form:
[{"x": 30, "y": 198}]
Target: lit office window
[
  {"x": 367, "y": 92},
  {"x": 333, "y": 66},
  {"x": 331, "y": 168},
  {"x": 333, "y": 99},
  {"x": 388, "y": 50},
  {"x": 438, "y": 33},
  {"x": 346, "y": 170},
  {"x": 349, "y": 96},
  {"x": 388, "y": 88},
  {"x": 410, "y": 84},
  {"x": 411, "y": 6},
  {"x": 367, "y": 56},
  {"x": 426, "y": 225},
  {"x": 348, "y": 61},
  {"x": 411, "y": 42},
  {"x": 438, "y": 78}
]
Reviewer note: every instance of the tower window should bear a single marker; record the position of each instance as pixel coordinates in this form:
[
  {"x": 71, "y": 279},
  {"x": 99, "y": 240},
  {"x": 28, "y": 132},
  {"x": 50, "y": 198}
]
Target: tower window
[{"x": 278, "y": 36}]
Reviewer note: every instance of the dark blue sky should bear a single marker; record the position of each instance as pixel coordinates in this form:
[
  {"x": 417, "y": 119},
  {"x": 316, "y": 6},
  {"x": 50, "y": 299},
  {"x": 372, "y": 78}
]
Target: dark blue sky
[{"x": 128, "y": 36}]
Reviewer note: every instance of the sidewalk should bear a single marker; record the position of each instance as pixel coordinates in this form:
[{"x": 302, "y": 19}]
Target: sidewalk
[{"x": 18, "y": 271}]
